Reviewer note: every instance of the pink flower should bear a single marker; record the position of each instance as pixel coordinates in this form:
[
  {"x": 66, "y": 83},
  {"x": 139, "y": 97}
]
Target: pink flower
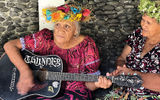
[
  {"x": 64, "y": 8},
  {"x": 86, "y": 12}
]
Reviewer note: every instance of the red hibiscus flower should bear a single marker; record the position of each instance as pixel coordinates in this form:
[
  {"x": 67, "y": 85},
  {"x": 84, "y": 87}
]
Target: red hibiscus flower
[{"x": 86, "y": 12}]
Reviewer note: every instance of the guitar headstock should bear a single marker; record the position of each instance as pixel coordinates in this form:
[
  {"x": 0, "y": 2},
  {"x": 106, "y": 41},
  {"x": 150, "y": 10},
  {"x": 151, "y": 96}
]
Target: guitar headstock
[{"x": 133, "y": 81}]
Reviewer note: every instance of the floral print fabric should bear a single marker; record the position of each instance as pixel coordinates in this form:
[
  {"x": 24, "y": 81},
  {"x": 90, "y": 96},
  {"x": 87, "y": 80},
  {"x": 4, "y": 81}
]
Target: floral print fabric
[{"x": 149, "y": 63}]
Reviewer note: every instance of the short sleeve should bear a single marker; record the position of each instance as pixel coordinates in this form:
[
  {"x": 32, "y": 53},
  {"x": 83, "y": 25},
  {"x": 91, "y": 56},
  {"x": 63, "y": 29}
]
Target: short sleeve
[
  {"x": 133, "y": 37},
  {"x": 92, "y": 60},
  {"x": 37, "y": 41}
]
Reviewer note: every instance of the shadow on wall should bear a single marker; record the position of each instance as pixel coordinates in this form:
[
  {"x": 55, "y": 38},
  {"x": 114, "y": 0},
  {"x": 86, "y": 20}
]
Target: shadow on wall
[{"x": 107, "y": 67}]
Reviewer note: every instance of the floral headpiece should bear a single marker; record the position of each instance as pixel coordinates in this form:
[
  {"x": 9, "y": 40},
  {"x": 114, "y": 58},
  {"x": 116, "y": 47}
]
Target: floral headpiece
[
  {"x": 151, "y": 8},
  {"x": 66, "y": 12}
]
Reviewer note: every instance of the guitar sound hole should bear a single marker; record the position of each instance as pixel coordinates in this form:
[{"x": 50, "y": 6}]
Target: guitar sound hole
[{"x": 40, "y": 76}]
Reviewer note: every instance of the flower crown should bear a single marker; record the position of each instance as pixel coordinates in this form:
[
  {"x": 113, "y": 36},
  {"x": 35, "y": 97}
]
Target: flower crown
[
  {"x": 151, "y": 8},
  {"x": 66, "y": 12}
]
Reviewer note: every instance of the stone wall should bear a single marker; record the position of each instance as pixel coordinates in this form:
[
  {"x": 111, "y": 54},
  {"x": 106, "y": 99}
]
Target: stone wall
[
  {"x": 114, "y": 20},
  {"x": 17, "y": 18}
]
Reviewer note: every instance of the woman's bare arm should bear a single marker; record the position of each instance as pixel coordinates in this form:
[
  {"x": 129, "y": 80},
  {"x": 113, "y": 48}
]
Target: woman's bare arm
[
  {"x": 12, "y": 49},
  {"x": 122, "y": 58},
  {"x": 150, "y": 81}
]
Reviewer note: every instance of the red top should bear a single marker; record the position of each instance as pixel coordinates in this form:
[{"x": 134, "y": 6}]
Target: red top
[{"x": 83, "y": 58}]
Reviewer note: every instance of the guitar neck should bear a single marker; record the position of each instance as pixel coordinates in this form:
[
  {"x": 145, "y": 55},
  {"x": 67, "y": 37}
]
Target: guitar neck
[
  {"x": 71, "y": 77},
  {"x": 121, "y": 80},
  {"x": 75, "y": 77}
]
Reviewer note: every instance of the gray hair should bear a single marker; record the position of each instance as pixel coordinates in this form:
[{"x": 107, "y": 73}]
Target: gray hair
[{"x": 78, "y": 28}]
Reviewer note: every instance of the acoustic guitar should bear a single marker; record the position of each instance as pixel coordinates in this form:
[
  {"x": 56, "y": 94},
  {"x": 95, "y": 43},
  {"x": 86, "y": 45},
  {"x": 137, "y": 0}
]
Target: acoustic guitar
[{"x": 48, "y": 74}]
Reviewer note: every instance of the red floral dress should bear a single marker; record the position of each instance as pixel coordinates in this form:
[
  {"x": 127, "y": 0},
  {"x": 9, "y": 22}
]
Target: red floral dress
[
  {"x": 83, "y": 58},
  {"x": 150, "y": 63}
]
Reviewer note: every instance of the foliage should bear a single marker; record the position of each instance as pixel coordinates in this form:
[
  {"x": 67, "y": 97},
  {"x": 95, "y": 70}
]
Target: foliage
[{"x": 151, "y": 8}]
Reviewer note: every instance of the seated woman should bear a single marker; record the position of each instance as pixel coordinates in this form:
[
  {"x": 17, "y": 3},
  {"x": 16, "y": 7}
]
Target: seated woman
[
  {"x": 78, "y": 52},
  {"x": 141, "y": 54}
]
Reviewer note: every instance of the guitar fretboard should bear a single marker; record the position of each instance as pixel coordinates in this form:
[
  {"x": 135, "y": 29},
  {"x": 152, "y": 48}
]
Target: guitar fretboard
[
  {"x": 121, "y": 80},
  {"x": 71, "y": 77}
]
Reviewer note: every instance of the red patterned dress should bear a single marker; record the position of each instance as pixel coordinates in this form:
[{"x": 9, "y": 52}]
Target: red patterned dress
[
  {"x": 150, "y": 63},
  {"x": 83, "y": 58}
]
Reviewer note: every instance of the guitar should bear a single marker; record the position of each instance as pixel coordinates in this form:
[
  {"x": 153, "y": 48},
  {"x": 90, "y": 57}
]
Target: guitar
[{"x": 48, "y": 74}]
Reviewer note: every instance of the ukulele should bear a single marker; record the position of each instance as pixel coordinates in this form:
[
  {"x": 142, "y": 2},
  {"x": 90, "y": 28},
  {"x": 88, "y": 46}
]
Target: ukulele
[{"x": 48, "y": 74}]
